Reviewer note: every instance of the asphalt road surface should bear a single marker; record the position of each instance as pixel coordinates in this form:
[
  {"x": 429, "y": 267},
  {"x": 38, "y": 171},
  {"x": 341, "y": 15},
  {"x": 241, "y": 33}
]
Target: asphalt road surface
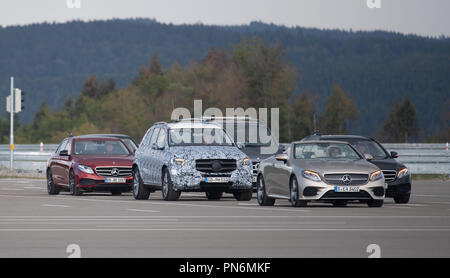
[{"x": 34, "y": 224}]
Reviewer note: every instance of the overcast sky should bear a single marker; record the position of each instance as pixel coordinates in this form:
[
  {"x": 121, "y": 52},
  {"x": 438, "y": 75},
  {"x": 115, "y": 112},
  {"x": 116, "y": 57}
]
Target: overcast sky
[{"x": 424, "y": 17}]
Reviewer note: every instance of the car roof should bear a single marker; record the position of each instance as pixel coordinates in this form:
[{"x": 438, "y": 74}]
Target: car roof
[
  {"x": 104, "y": 135},
  {"x": 334, "y": 137},
  {"x": 320, "y": 142},
  {"x": 96, "y": 137},
  {"x": 193, "y": 124}
]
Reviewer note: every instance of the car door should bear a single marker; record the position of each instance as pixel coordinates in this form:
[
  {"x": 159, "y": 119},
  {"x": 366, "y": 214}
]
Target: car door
[
  {"x": 159, "y": 154},
  {"x": 150, "y": 157},
  {"x": 269, "y": 176},
  {"x": 66, "y": 162},
  {"x": 283, "y": 175},
  {"x": 141, "y": 155},
  {"x": 56, "y": 166}
]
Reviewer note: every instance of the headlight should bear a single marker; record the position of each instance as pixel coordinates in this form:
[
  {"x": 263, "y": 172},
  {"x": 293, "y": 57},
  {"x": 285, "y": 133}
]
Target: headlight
[
  {"x": 376, "y": 175},
  {"x": 403, "y": 173},
  {"x": 310, "y": 175},
  {"x": 85, "y": 169},
  {"x": 246, "y": 161},
  {"x": 178, "y": 161}
]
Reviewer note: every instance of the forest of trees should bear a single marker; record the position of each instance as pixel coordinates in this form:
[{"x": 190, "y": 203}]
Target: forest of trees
[
  {"x": 251, "y": 74},
  {"x": 87, "y": 74}
]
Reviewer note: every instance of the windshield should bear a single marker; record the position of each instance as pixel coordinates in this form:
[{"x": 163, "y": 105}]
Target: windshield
[
  {"x": 199, "y": 136},
  {"x": 249, "y": 133},
  {"x": 325, "y": 151},
  {"x": 369, "y": 147},
  {"x": 100, "y": 147}
]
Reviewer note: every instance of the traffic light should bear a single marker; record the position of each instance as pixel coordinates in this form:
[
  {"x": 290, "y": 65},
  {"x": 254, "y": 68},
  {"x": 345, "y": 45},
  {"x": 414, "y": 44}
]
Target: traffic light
[{"x": 18, "y": 100}]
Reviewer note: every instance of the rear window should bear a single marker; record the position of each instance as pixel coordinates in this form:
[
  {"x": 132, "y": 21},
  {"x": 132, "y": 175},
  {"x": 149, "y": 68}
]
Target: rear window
[{"x": 100, "y": 147}]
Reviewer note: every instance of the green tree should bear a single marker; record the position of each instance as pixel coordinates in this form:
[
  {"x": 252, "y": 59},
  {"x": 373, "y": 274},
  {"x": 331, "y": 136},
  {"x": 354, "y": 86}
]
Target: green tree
[
  {"x": 401, "y": 125},
  {"x": 339, "y": 110},
  {"x": 301, "y": 114}
]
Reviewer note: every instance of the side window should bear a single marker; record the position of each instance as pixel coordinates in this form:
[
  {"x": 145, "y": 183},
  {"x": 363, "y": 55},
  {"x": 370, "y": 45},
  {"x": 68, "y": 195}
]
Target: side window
[
  {"x": 68, "y": 147},
  {"x": 146, "y": 138},
  {"x": 62, "y": 146},
  {"x": 154, "y": 136},
  {"x": 161, "y": 138}
]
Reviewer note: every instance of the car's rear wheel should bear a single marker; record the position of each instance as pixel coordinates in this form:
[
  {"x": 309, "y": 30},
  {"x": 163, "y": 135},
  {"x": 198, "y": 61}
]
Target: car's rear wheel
[
  {"x": 340, "y": 203},
  {"x": 52, "y": 189},
  {"x": 295, "y": 195},
  {"x": 213, "y": 195},
  {"x": 375, "y": 203},
  {"x": 74, "y": 189},
  {"x": 402, "y": 198},
  {"x": 168, "y": 192},
  {"x": 139, "y": 190},
  {"x": 245, "y": 195},
  {"x": 263, "y": 199}
]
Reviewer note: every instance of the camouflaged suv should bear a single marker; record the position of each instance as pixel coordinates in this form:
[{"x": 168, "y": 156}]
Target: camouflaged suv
[{"x": 190, "y": 156}]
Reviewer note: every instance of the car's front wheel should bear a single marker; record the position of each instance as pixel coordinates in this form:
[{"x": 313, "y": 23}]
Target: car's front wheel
[
  {"x": 402, "y": 198},
  {"x": 213, "y": 195},
  {"x": 295, "y": 195},
  {"x": 139, "y": 190},
  {"x": 168, "y": 192},
  {"x": 263, "y": 199},
  {"x": 74, "y": 189},
  {"x": 52, "y": 189}
]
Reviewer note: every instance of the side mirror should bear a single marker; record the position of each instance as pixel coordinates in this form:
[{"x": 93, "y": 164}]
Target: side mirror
[
  {"x": 282, "y": 157},
  {"x": 394, "y": 154},
  {"x": 64, "y": 153},
  {"x": 368, "y": 156},
  {"x": 282, "y": 148},
  {"x": 157, "y": 147},
  {"x": 240, "y": 146}
]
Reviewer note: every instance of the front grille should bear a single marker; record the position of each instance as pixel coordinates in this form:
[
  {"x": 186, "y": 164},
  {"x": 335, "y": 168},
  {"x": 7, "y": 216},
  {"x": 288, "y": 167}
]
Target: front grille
[
  {"x": 108, "y": 171},
  {"x": 389, "y": 175},
  {"x": 215, "y": 165},
  {"x": 255, "y": 166},
  {"x": 356, "y": 179},
  {"x": 331, "y": 195}
]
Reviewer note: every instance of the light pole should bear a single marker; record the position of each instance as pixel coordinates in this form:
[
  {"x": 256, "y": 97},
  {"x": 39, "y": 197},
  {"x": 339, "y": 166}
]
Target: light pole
[{"x": 11, "y": 137}]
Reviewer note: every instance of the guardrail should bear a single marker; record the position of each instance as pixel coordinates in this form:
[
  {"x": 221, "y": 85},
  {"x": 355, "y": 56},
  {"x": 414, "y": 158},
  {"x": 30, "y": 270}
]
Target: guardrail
[{"x": 419, "y": 158}]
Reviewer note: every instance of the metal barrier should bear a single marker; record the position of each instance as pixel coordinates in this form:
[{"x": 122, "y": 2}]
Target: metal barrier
[{"x": 419, "y": 158}]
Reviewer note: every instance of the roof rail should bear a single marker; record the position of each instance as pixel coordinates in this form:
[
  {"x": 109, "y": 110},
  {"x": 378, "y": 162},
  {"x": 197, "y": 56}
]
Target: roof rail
[{"x": 159, "y": 123}]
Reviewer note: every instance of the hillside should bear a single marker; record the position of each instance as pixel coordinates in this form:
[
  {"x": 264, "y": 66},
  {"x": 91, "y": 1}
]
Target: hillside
[{"x": 51, "y": 61}]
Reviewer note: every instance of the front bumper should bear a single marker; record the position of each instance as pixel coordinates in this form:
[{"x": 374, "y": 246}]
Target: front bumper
[
  {"x": 399, "y": 187},
  {"x": 189, "y": 179},
  {"x": 93, "y": 182},
  {"x": 311, "y": 190}
]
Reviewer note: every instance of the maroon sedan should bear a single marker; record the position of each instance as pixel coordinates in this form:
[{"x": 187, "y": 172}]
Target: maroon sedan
[{"x": 87, "y": 164}]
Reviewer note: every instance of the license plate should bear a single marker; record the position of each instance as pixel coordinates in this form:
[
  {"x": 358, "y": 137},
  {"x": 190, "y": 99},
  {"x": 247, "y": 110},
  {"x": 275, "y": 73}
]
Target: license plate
[
  {"x": 217, "y": 179},
  {"x": 115, "y": 180},
  {"x": 254, "y": 179},
  {"x": 346, "y": 189}
]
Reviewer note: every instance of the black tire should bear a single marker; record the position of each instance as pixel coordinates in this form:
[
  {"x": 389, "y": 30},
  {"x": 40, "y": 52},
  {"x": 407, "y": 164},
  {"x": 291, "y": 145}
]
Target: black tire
[
  {"x": 340, "y": 203},
  {"x": 139, "y": 190},
  {"x": 168, "y": 193},
  {"x": 375, "y": 203},
  {"x": 295, "y": 195},
  {"x": 402, "y": 198},
  {"x": 263, "y": 199},
  {"x": 74, "y": 190},
  {"x": 245, "y": 195},
  {"x": 52, "y": 188},
  {"x": 213, "y": 195},
  {"x": 116, "y": 193}
]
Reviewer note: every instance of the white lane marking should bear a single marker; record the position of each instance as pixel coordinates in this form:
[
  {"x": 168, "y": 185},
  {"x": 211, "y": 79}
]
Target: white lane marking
[
  {"x": 143, "y": 210},
  {"x": 227, "y": 216},
  {"x": 225, "y": 229},
  {"x": 60, "y": 206},
  {"x": 33, "y": 187},
  {"x": 162, "y": 203},
  {"x": 12, "y": 189},
  {"x": 247, "y": 204},
  {"x": 439, "y": 203}
]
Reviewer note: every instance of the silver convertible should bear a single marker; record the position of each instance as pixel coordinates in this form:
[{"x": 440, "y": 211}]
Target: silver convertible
[{"x": 328, "y": 171}]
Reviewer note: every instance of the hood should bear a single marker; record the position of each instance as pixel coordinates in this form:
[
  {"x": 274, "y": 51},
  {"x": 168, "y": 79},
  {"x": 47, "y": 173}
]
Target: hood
[
  {"x": 93, "y": 160},
  {"x": 336, "y": 166},
  {"x": 207, "y": 152},
  {"x": 254, "y": 153},
  {"x": 388, "y": 164}
]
